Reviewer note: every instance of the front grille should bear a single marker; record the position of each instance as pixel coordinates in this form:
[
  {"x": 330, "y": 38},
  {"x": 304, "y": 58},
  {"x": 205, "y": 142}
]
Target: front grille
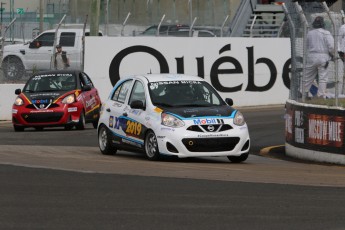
[
  {"x": 31, "y": 106},
  {"x": 42, "y": 117},
  {"x": 210, "y": 144},
  {"x": 205, "y": 128}
]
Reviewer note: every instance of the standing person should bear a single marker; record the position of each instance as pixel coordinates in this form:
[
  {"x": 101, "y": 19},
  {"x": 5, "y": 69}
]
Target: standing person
[
  {"x": 61, "y": 60},
  {"x": 320, "y": 50}
]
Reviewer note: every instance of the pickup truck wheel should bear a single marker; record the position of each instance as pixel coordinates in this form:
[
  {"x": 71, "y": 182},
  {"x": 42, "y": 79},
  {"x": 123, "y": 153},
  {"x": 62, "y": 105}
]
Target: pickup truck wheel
[{"x": 13, "y": 68}]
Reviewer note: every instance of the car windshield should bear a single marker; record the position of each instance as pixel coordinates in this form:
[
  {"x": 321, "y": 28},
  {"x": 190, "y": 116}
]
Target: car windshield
[
  {"x": 51, "y": 82},
  {"x": 184, "y": 93}
]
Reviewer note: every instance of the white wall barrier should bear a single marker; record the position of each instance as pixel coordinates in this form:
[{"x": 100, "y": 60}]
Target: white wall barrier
[
  {"x": 7, "y": 98},
  {"x": 251, "y": 71}
]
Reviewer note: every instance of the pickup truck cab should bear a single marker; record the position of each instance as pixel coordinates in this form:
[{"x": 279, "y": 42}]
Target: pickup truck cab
[{"x": 37, "y": 55}]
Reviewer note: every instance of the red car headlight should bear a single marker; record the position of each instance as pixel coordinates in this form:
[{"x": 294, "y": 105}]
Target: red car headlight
[
  {"x": 19, "y": 101},
  {"x": 69, "y": 99}
]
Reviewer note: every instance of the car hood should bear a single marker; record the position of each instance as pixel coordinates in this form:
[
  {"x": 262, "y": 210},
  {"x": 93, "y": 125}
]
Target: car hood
[
  {"x": 44, "y": 97},
  {"x": 220, "y": 111},
  {"x": 14, "y": 47}
]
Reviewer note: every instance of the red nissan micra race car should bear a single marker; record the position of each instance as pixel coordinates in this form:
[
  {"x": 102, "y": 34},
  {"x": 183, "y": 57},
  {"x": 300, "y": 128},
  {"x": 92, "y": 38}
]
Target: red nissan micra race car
[{"x": 65, "y": 98}]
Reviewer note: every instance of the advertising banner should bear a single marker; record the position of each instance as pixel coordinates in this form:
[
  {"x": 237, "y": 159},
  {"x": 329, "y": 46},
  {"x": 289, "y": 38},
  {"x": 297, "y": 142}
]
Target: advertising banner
[
  {"x": 251, "y": 71},
  {"x": 318, "y": 129}
]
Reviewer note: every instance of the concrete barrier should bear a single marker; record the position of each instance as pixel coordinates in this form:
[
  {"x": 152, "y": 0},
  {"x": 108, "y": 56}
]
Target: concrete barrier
[{"x": 314, "y": 132}]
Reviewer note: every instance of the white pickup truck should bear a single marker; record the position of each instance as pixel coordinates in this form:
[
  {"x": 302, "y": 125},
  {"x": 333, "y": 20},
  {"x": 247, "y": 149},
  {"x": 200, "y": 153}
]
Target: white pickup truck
[{"x": 36, "y": 55}]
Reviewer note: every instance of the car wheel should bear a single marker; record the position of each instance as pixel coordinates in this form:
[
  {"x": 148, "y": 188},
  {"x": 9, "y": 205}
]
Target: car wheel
[
  {"x": 18, "y": 128},
  {"x": 238, "y": 159},
  {"x": 81, "y": 123},
  {"x": 151, "y": 146},
  {"x": 68, "y": 127},
  {"x": 104, "y": 141},
  {"x": 95, "y": 123},
  {"x": 13, "y": 68}
]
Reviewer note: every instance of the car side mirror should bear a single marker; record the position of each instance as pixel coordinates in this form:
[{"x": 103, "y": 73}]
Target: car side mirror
[
  {"x": 86, "y": 88},
  {"x": 229, "y": 101},
  {"x": 18, "y": 91},
  {"x": 35, "y": 44},
  {"x": 137, "y": 105}
]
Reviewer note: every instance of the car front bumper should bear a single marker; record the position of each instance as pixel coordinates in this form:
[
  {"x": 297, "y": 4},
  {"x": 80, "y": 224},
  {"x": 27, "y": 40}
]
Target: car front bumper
[
  {"x": 60, "y": 115},
  {"x": 183, "y": 143}
]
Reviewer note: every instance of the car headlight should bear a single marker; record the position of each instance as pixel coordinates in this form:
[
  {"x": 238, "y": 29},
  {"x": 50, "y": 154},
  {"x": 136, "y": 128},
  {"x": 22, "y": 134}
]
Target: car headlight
[
  {"x": 19, "y": 101},
  {"x": 239, "y": 119},
  {"x": 69, "y": 99},
  {"x": 171, "y": 121}
]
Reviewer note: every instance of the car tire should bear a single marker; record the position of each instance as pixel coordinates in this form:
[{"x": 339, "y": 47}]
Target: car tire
[
  {"x": 18, "y": 128},
  {"x": 238, "y": 159},
  {"x": 151, "y": 146},
  {"x": 104, "y": 141},
  {"x": 81, "y": 122},
  {"x": 95, "y": 123},
  {"x": 13, "y": 68},
  {"x": 68, "y": 127}
]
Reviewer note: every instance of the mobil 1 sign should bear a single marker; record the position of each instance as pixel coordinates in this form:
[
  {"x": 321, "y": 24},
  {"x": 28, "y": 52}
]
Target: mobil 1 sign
[{"x": 251, "y": 71}]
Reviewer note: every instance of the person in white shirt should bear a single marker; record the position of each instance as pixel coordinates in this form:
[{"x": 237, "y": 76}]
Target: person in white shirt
[
  {"x": 61, "y": 59},
  {"x": 320, "y": 50}
]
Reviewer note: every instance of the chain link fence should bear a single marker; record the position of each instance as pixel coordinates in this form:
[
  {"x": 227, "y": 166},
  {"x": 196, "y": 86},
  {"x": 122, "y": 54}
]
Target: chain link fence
[
  {"x": 302, "y": 18},
  {"x": 209, "y": 18},
  {"x": 121, "y": 18}
]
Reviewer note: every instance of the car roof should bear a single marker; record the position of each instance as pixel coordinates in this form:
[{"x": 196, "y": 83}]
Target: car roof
[{"x": 167, "y": 77}]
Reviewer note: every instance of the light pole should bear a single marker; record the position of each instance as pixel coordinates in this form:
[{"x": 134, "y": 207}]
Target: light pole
[{"x": 1, "y": 9}]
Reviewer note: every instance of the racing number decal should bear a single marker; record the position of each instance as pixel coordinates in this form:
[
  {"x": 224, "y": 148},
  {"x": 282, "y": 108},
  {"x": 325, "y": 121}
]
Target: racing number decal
[
  {"x": 133, "y": 128},
  {"x": 129, "y": 127}
]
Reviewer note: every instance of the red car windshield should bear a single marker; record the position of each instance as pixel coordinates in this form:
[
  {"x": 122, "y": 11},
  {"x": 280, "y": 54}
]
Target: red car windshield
[{"x": 51, "y": 82}]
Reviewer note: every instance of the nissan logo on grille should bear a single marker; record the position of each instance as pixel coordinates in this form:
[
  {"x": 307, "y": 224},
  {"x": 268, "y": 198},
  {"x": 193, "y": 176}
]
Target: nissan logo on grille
[{"x": 210, "y": 128}]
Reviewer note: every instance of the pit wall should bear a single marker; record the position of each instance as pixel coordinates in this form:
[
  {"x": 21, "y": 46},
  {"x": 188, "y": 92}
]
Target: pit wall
[
  {"x": 315, "y": 133},
  {"x": 251, "y": 71}
]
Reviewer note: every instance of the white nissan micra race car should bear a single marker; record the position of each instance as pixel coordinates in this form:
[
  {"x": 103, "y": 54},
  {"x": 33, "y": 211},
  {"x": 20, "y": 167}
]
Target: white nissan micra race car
[{"x": 171, "y": 114}]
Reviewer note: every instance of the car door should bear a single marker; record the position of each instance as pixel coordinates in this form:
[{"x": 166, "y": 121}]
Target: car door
[
  {"x": 40, "y": 51},
  {"x": 135, "y": 112},
  {"x": 70, "y": 44},
  {"x": 116, "y": 109},
  {"x": 90, "y": 97}
]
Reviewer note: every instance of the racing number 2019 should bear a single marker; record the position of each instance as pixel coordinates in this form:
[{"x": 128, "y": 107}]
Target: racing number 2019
[{"x": 133, "y": 128}]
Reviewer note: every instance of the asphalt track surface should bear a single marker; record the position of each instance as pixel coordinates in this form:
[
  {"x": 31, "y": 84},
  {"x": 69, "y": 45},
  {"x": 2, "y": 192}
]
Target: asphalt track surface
[{"x": 56, "y": 179}]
